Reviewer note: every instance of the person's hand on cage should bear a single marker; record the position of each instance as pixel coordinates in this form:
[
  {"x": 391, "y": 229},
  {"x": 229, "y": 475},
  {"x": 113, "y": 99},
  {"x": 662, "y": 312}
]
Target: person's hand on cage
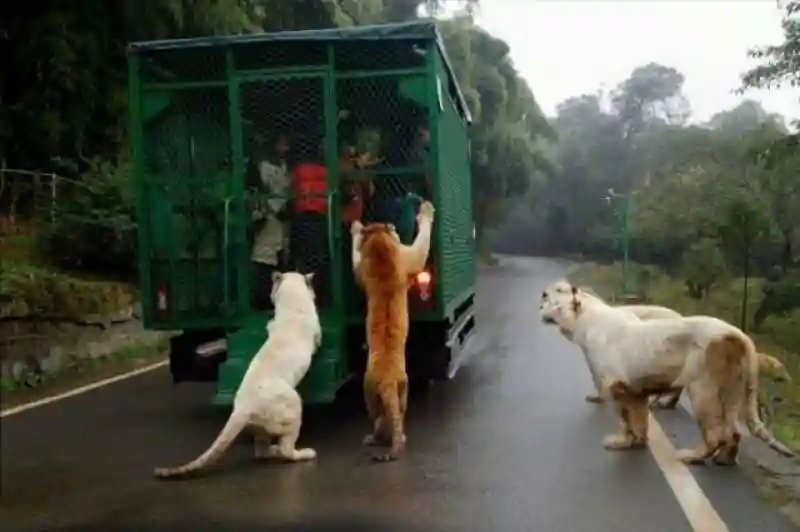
[{"x": 426, "y": 211}]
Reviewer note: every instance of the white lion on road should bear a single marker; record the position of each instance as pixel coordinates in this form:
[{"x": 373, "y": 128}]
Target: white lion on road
[
  {"x": 632, "y": 359},
  {"x": 267, "y": 399}
]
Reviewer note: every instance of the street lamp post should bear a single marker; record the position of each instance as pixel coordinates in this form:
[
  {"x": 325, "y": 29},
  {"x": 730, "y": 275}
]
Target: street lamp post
[{"x": 622, "y": 210}]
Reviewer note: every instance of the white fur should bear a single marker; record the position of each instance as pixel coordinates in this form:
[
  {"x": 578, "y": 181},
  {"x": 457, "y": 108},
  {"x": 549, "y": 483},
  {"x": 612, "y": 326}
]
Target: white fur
[
  {"x": 267, "y": 399},
  {"x": 267, "y": 393},
  {"x": 622, "y": 348},
  {"x": 643, "y": 312}
]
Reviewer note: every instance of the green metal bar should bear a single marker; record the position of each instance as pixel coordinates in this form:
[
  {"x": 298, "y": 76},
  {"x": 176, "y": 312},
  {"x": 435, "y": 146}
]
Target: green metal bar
[
  {"x": 236, "y": 185},
  {"x": 382, "y": 73},
  {"x": 333, "y": 177},
  {"x": 625, "y": 241},
  {"x": 468, "y": 191},
  {"x": 142, "y": 192},
  {"x": 391, "y": 172},
  {"x": 281, "y": 71},
  {"x": 183, "y": 85},
  {"x": 244, "y": 77},
  {"x": 226, "y": 298},
  {"x": 432, "y": 61}
]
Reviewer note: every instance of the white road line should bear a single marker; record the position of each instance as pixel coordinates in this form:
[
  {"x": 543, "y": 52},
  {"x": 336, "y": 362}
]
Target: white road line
[
  {"x": 698, "y": 509},
  {"x": 83, "y": 389}
]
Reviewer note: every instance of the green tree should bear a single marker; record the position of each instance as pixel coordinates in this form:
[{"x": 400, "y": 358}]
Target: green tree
[
  {"x": 743, "y": 225},
  {"x": 780, "y": 66},
  {"x": 507, "y": 154},
  {"x": 702, "y": 265}
]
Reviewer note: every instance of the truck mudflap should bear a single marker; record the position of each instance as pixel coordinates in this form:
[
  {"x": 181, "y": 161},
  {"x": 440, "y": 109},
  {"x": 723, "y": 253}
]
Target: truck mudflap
[
  {"x": 436, "y": 349},
  {"x": 460, "y": 341}
]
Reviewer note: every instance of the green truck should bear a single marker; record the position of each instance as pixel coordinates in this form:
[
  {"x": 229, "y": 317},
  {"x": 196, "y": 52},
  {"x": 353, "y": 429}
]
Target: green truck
[{"x": 376, "y": 112}]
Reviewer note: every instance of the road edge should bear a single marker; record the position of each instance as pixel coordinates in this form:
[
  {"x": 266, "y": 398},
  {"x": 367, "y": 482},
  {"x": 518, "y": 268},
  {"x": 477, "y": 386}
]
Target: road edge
[{"x": 18, "y": 409}]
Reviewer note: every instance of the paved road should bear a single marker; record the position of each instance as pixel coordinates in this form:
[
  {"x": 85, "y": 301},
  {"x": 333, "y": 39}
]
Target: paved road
[{"x": 505, "y": 447}]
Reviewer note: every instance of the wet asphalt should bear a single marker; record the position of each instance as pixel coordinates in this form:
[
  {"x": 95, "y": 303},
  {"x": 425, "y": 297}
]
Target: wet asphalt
[{"x": 508, "y": 445}]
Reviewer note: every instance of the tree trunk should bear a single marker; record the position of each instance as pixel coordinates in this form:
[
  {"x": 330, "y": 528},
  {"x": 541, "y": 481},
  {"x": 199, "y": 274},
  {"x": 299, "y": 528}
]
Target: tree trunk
[
  {"x": 743, "y": 316},
  {"x": 787, "y": 255}
]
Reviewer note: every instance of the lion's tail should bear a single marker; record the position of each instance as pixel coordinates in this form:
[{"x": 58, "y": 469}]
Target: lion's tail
[
  {"x": 771, "y": 364},
  {"x": 236, "y": 423},
  {"x": 752, "y": 417}
]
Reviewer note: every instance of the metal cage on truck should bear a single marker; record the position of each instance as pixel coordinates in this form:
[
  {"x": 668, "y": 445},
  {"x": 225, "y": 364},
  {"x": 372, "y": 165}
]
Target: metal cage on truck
[{"x": 207, "y": 117}]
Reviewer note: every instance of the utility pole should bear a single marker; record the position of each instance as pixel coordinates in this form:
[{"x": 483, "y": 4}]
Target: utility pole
[{"x": 621, "y": 206}]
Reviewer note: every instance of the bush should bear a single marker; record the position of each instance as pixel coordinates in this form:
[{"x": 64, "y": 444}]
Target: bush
[
  {"x": 27, "y": 290},
  {"x": 93, "y": 228},
  {"x": 702, "y": 265}
]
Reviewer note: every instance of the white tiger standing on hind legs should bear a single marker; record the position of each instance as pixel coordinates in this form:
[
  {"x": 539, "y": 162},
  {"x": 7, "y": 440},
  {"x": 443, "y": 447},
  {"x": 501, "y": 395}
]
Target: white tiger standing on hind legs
[
  {"x": 632, "y": 359},
  {"x": 267, "y": 399}
]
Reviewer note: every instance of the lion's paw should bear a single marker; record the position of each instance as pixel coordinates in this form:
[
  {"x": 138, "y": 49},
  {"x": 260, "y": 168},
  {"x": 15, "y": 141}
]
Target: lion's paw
[
  {"x": 370, "y": 440},
  {"x": 594, "y": 397},
  {"x": 689, "y": 457},
  {"x": 426, "y": 210},
  {"x": 618, "y": 442},
  {"x": 300, "y": 455}
]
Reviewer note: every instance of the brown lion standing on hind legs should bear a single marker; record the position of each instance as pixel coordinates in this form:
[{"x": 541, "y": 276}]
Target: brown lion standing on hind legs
[{"x": 384, "y": 266}]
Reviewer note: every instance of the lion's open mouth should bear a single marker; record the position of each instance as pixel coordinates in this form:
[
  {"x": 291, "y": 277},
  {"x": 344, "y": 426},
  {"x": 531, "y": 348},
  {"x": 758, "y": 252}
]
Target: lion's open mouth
[{"x": 548, "y": 320}]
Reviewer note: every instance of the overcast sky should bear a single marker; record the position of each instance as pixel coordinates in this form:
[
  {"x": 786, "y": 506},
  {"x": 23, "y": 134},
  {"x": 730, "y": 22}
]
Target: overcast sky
[{"x": 570, "y": 47}]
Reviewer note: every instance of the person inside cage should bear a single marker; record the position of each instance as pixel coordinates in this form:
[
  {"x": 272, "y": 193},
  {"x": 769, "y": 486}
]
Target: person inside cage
[
  {"x": 357, "y": 186},
  {"x": 309, "y": 239},
  {"x": 271, "y": 218}
]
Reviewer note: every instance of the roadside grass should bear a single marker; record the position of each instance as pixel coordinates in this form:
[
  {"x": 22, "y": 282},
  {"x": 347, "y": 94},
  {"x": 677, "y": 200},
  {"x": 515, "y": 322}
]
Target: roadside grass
[
  {"x": 779, "y": 336},
  {"x": 82, "y": 372},
  {"x": 32, "y": 289}
]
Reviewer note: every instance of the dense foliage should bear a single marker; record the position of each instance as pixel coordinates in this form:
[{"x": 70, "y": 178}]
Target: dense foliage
[
  {"x": 65, "y": 109},
  {"x": 706, "y": 200}
]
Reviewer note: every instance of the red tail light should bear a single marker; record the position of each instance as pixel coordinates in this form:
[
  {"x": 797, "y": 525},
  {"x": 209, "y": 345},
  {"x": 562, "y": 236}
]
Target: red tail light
[
  {"x": 162, "y": 298},
  {"x": 424, "y": 281},
  {"x": 422, "y": 285}
]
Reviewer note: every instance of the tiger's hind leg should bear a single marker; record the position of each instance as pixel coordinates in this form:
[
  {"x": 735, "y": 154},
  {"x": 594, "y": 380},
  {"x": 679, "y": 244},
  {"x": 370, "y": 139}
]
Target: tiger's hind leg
[
  {"x": 380, "y": 431},
  {"x": 634, "y": 418},
  {"x": 391, "y": 396},
  {"x": 285, "y": 418},
  {"x": 708, "y": 412}
]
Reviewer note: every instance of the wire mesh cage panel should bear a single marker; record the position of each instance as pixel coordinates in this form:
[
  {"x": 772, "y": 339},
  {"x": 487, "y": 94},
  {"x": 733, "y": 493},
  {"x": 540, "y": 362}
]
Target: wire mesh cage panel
[
  {"x": 280, "y": 55},
  {"x": 184, "y": 65},
  {"x": 371, "y": 56},
  {"x": 384, "y": 119},
  {"x": 191, "y": 209},
  {"x": 393, "y": 199},
  {"x": 283, "y": 120},
  {"x": 454, "y": 212},
  {"x": 383, "y": 130},
  {"x": 237, "y": 180}
]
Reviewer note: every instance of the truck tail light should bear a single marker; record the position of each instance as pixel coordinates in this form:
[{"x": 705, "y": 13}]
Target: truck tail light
[
  {"x": 162, "y": 298},
  {"x": 421, "y": 289},
  {"x": 424, "y": 282}
]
